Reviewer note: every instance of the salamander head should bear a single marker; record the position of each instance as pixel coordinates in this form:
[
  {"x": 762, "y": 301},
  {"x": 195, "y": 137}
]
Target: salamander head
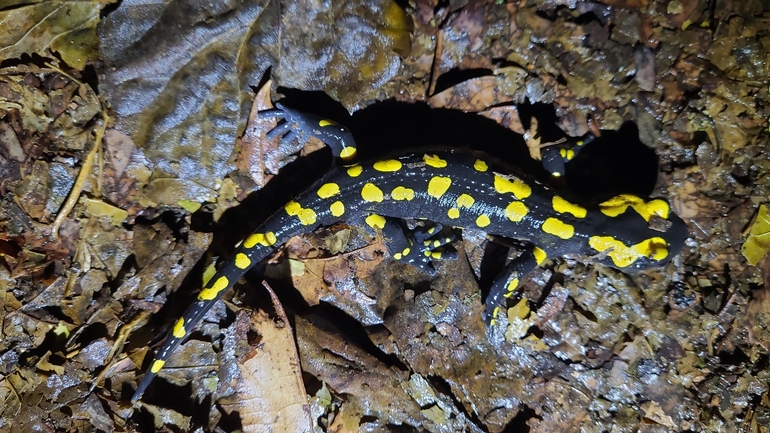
[{"x": 637, "y": 234}]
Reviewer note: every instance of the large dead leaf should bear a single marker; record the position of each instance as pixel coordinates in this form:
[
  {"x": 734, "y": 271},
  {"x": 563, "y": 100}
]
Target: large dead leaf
[
  {"x": 181, "y": 73},
  {"x": 271, "y": 396},
  {"x": 67, "y": 27}
]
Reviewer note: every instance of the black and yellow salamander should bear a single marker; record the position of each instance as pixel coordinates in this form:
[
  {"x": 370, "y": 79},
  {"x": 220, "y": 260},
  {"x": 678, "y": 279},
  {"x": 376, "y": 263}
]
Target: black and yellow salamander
[{"x": 460, "y": 189}]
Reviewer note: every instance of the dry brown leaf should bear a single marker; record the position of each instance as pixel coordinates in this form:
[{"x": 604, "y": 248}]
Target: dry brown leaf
[{"x": 272, "y": 396}]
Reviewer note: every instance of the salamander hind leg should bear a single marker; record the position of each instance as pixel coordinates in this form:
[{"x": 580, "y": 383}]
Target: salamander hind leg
[{"x": 508, "y": 281}]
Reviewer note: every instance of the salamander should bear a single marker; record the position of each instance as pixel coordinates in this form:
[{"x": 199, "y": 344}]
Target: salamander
[{"x": 453, "y": 188}]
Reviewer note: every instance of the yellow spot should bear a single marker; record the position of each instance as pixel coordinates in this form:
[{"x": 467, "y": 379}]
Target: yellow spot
[
  {"x": 434, "y": 161},
  {"x": 306, "y": 216},
  {"x": 558, "y": 228},
  {"x": 567, "y": 154},
  {"x": 516, "y": 211},
  {"x": 480, "y": 165},
  {"x": 556, "y": 174},
  {"x": 579, "y": 143},
  {"x": 623, "y": 255},
  {"x": 540, "y": 255},
  {"x": 242, "y": 261},
  {"x": 518, "y": 188},
  {"x": 397, "y": 256},
  {"x": 325, "y": 122},
  {"x": 618, "y": 205},
  {"x": 453, "y": 213},
  {"x": 337, "y": 208},
  {"x": 179, "y": 331},
  {"x": 388, "y": 165},
  {"x": 511, "y": 288},
  {"x": 494, "y": 314},
  {"x": 355, "y": 170},
  {"x": 465, "y": 200},
  {"x": 157, "y": 365},
  {"x": 375, "y": 221},
  {"x": 402, "y": 193},
  {"x": 210, "y": 293},
  {"x": 436, "y": 255},
  {"x": 348, "y": 154},
  {"x": 438, "y": 186},
  {"x": 328, "y": 190},
  {"x": 371, "y": 193},
  {"x": 482, "y": 221},
  {"x": 270, "y": 238},
  {"x": 253, "y": 240},
  {"x": 563, "y": 206}
]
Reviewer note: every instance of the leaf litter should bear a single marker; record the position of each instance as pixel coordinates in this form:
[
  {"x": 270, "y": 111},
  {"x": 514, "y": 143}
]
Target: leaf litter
[{"x": 679, "y": 349}]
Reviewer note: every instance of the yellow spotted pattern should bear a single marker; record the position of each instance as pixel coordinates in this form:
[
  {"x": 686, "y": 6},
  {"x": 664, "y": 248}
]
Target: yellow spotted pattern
[
  {"x": 558, "y": 228},
  {"x": 510, "y": 289},
  {"x": 618, "y": 204},
  {"x": 242, "y": 261},
  {"x": 179, "y": 331},
  {"x": 517, "y": 187},
  {"x": 328, "y": 190},
  {"x": 402, "y": 254},
  {"x": 387, "y": 166},
  {"x": 337, "y": 208},
  {"x": 306, "y": 216},
  {"x": 355, "y": 170},
  {"x": 622, "y": 255},
  {"x": 326, "y": 122},
  {"x": 482, "y": 221},
  {"x": 371, "y": 193},
  {"x": 465, "y": 201},
  {"x": 434, "y": 161},
  {"x": 480, "y": 165},
  {"x": 157, "y": 365},
  {"x": 348, "y": 154},
  {"x": 438, "y": 186},
  {"x": 264, "y": 239},
  {"x": 516, "y": 211},
  {"x": 375, "y": 221},
  {"x": 567, "y": 154},
  {"x": 453, "y": 213},
  {"x": 563, "y": 206},
  {"x": 540, "y": 255},
  {"x": 211, "y": 292},
  {"x": 402, "y": 193}
]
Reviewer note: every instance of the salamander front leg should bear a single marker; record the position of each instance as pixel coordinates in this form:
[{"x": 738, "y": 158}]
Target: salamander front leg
[
  {"x": 303, "y": 125},
  {"x": 506, "y": 284},
  {"x": 557, "y": 156}
]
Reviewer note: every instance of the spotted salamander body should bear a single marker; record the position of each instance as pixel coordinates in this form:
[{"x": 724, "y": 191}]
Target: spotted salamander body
[{"x": 460, "y": 189}]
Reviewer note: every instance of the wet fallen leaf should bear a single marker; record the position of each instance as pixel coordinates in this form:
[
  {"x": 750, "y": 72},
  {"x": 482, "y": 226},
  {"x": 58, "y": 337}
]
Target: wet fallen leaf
[
  {"x": 271, "y": 393},
  {"x": 66, "y": 27},
  {"x": 757, "y": 244}
]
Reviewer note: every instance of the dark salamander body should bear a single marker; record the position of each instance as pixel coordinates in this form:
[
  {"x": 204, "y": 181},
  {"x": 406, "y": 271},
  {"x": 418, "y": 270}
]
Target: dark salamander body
[{"x": 460, "y": 189}]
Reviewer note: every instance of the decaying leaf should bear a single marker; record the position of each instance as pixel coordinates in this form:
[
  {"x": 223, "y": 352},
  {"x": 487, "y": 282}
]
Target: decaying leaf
[
  {"x": 758, "y": 242},
  {"x": 271, "y": 393},
  {"x": 65, "y": 27},
  {"x": 181, "y": 73}
]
